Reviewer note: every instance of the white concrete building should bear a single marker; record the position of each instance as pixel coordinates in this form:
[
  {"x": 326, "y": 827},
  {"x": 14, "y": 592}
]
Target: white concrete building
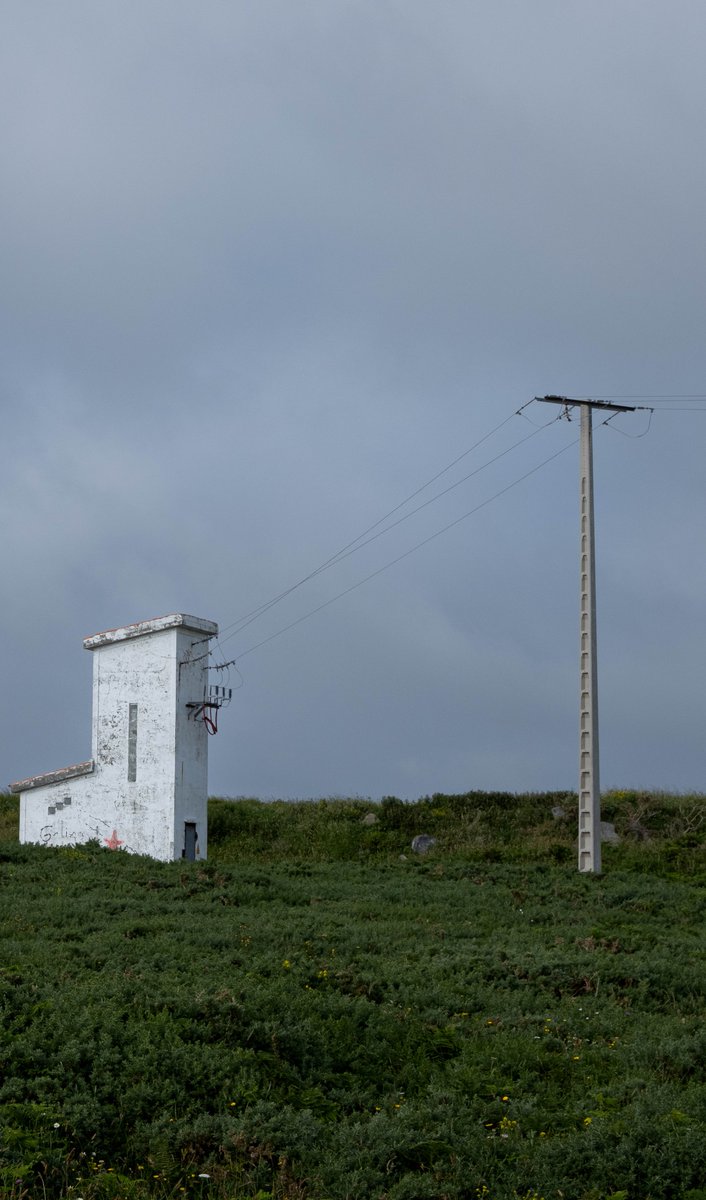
[{"x": 145, "y": 787}]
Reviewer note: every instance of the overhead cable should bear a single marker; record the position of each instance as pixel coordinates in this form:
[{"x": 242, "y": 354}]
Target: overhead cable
[
  {"x": 362, "y": 539},
  {"x": 425, "y": 541}
]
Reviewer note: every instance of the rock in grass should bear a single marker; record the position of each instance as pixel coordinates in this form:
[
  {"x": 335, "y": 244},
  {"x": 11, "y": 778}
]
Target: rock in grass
[
  {"x": 608, "y": 833},
  {"x": 422, "y": 843},
  {"x": 369, "y": 819}
]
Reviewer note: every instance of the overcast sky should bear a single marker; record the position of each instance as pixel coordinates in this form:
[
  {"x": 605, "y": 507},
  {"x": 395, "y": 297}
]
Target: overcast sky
[{"x": 268, "y": 267}]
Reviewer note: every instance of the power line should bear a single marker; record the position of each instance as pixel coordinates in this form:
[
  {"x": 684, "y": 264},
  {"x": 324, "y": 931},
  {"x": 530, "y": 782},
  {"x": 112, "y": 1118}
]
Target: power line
[
  {"x": 359, "y": 544},
  {"x": 248, "y": 617},
  {"x": 633, "y": 436},
  {"x": 350, "y": 547},
  {"x": 363, "y": 539},
  {"x": 400, "y": 557}
]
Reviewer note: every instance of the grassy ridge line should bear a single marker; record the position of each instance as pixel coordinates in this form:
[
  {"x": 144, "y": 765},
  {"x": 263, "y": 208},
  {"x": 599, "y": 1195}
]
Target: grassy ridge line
[{"x": 658, "y": 831}]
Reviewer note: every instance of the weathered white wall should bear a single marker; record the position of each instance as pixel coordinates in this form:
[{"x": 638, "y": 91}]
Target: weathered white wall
[
  {"x": 52, "y": 816},
  {"x": 150, "y": 777},
  {"x": 141, "y": 672},
  {"x": 191, "y": 755}
]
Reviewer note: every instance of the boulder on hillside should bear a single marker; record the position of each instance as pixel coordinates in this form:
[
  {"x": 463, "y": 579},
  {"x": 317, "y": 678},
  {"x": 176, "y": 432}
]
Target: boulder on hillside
[{"x": 422, "y": 843}]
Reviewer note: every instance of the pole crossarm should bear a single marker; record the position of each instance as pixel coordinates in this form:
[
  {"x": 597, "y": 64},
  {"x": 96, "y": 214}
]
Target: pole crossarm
[{"x": 566, "y": 400}]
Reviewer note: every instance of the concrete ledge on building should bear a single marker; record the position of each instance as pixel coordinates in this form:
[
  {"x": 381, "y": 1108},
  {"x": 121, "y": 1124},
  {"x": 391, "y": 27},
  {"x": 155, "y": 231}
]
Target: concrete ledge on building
[
  {"x": 156, "y": 625},
  {"x": 35, "y": 781}
]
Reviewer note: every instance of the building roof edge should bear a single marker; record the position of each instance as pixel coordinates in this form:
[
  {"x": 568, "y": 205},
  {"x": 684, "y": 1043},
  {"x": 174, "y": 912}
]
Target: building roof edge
[
  {"x": 155, "y": 625},
  {"x": 34, "y": 781}
]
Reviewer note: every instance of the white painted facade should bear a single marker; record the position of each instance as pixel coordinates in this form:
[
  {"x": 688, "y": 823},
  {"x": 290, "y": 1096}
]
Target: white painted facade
[{"x": 145, "y": 787}]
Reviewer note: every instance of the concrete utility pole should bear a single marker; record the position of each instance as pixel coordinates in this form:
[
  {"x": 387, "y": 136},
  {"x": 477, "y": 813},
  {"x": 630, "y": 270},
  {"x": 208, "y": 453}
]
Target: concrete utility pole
[{"x": 589, "y": 853}]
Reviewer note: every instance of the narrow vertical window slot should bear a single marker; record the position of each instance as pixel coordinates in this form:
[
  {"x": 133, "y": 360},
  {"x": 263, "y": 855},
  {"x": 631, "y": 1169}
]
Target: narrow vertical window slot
[{"x": 132, "y": 744}]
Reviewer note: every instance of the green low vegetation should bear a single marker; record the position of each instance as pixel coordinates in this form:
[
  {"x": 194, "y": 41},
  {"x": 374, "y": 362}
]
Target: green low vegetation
[{"x": 319, "y": 1013}]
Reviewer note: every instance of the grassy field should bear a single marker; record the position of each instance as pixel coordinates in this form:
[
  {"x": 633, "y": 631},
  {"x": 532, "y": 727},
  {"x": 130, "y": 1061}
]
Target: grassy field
[{"x": 318, "y": 1013}]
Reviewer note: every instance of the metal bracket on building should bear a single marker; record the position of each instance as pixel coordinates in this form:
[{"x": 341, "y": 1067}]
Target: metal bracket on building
[{"x": 215, "y": 696}]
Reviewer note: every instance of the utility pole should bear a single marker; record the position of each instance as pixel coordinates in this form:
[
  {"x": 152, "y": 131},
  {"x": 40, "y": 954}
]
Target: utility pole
[{"x": 589, "y": 840}]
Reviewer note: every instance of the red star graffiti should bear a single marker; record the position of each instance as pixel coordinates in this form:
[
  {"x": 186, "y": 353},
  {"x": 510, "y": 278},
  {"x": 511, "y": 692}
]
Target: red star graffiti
[{"x": 113, "y": 841}]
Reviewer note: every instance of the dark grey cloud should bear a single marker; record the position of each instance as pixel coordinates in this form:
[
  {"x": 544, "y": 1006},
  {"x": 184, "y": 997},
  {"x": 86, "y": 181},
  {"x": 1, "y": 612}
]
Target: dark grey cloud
[{"x": 266, "y": 268}]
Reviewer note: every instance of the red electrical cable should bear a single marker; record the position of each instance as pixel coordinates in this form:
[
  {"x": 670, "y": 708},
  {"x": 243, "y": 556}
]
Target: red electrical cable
[{"x": 211, "y": 723}]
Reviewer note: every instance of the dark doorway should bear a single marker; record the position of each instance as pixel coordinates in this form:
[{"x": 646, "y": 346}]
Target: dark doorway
[{"x": 190, "y": 840}]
